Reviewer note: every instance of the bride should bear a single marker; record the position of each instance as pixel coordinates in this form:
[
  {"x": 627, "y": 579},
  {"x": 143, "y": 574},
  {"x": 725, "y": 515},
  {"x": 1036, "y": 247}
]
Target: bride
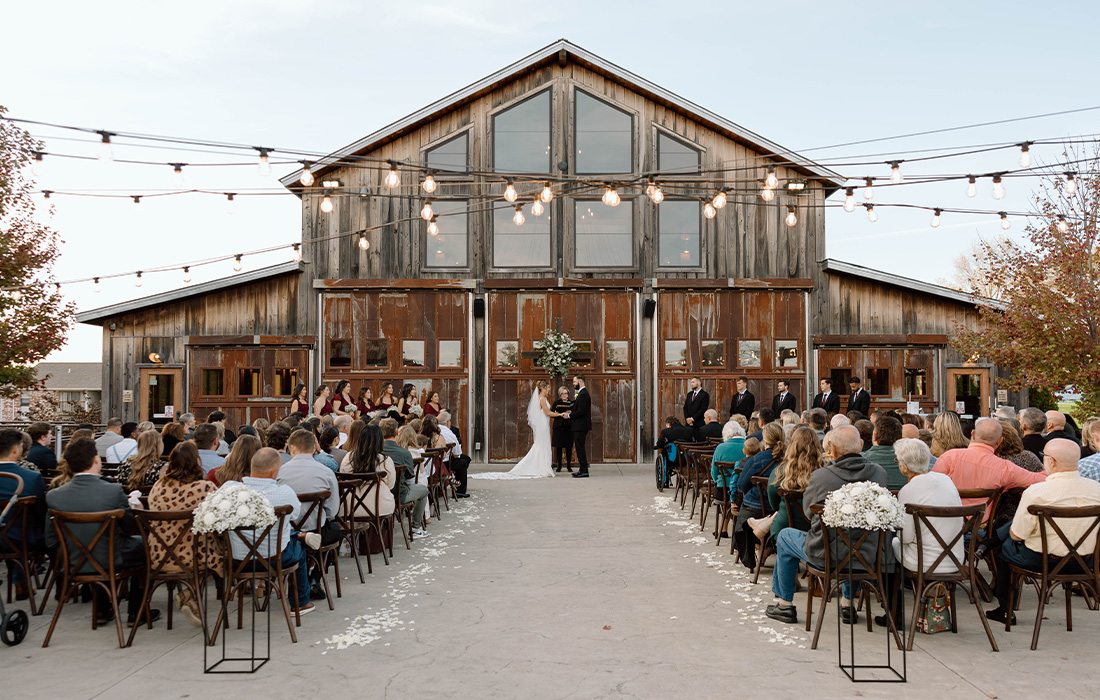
[{"x": 536, "y": 463}]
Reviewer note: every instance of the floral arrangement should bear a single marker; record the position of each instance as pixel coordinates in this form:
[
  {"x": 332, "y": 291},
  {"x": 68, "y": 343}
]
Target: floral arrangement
[
  {"x": 231, "y": 506},
  {"x": 864, "y": 505},
  {"x": 556, "y": 353},
  {"x": 416, "y": 410}
]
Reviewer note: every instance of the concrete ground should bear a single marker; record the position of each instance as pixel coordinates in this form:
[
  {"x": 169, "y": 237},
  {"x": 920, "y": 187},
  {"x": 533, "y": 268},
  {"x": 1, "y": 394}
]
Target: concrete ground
[{"x": 555, "y": 588}]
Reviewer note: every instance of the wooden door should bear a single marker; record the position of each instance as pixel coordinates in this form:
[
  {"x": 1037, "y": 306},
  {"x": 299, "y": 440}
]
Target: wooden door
[
  {"x": 160, "y": 388},
  {"x": 601, "y": 322},
  {"x": 968, "y": 389}
]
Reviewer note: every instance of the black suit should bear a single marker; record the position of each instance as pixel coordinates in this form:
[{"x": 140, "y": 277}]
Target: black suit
[
  {"x": 831, "y": 404},
  {"x": 860, "y": 401},
  {"x": 695, "y": 405},
  {"x": 743, "y": 404},
  {"x": 710, "y": 430},
  {"x": 1034, "y": 443},
  {"x": 677, "y": 433},
  {"x": 781, "y": 403},
  {"x": 580, "y": 421}
]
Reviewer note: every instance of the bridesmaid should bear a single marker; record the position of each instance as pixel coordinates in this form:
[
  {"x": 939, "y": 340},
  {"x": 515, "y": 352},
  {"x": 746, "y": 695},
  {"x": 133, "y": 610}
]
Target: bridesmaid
[
  {"x": 387, "y": 400},
  {"x": 365, "y": 402},
  {"x": 300, "y": 404},
  {"x": 321, "y": 405},
  {"x": 343, "y": 404},
  {"x": 407, "y": 401},
  {"x": 432, "y": 407}
]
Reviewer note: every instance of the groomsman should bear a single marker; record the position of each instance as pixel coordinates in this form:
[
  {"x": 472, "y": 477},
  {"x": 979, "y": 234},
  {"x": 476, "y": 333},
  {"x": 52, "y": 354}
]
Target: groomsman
[
  {"x": 783, "y": 400},
  {"x": 827, "y": 399},
  {"x": 743, "y": 403},
  {"x": 860, "y": 400},
  {"x": 696, "y": 405}
]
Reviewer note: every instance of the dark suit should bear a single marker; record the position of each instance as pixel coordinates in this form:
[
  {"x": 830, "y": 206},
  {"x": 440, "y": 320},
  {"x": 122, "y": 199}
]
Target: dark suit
[
  {"x": 1064, "y": 434},
  {"x": 1034, "y": 443},
  {"x": 860, "y": 401},
  {"x": 830, "y": 404},
  {"x": 695, "y": 405},
  {"x": 43, "y": 458},
  {"x": 743, "y": 404},
  {"x": 677, "y": 433},
  {"x": 580, "y": 421},
  {"x": 710, "y": 430},
  {"x": 33, "y": 485},
  {"x": 781, "y": 403}
]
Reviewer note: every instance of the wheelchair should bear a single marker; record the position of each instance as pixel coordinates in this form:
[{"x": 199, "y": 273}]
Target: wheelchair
[{"x": 665, "y": 463}]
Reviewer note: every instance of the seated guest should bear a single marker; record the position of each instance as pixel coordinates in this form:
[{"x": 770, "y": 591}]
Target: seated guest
[
  {"x": 23, "y": 461},
  {"x": 88, "y": 493},
  {"x": 843, "y": 448},
  {"x": 1090, "y": 436},
  {"x": 41, "y": 453},
  {"x": 276, "y": 438},
  {"x": 364, "y": 404},
  {"x": 1012, "y": 448},
  {"x": 11, "y": 449},
  {"x": 265, "y": 470},
  {"x": 947, "y": 433},
  {"x": 369, "y": 459},
  {"x": 181, "y": 487},
  {"x": 187, "y": 420},
  {"x": 763, "y": 417},
  {"x": 406, "y": 490},
  {"x": 110, "y": 436},
  {"x": 1021, "y": 540},
  {"x": 429, "y": 427},
  {"x": 912, "y": 432},
  {"x": 457, "y": 462},
  {"x": 261, "y": 425},
  {"x": 887, "y": 431},
  {"x": 1087, "y": 449},
  {"x": 1056, "y": 428},
  {"x": 171, "y": 435},
  {"x": 330, "y": 437},
  {"x": 801, "y": 459},
  {"x": 237, "y": 463},
  {"x": 206, "y": 439},
  {"x": 710, "y": 428},
  {"x": 741, "y": 421},
  {"x": 674, "y": 431},
  {"x": 227, "y": 434},
  {"x": 342, "y": 425},
  {"x": 143, "y": 467},
  {"x": 305, "y": 474},
  {"x": 731, "y": 449},
  {"x": 818, "y": 419},
  {"x": 751, "y": 507},
  {"x": 124, "y": 448},
  {"x": 866, "y": 431},
  {"x": 839, "y": 420}
]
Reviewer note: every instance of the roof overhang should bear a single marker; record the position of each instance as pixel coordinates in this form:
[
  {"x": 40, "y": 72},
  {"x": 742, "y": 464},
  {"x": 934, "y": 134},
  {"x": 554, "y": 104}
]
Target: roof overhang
[{"x": 839, "y": 266}]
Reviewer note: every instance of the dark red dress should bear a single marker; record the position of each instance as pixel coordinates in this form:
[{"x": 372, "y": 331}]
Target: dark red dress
[
  {"x": 340, "y": 402},
  {"x": 326, "y": 409},
  {"x": 430, "y": 410},
  {"x": 302, "y": 408},
  {"x": 365, "y": 407}
]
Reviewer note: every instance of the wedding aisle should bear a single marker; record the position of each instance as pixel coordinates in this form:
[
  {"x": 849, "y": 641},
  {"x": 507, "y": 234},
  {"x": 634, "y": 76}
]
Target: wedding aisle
[{"x": 549, "y": 588}]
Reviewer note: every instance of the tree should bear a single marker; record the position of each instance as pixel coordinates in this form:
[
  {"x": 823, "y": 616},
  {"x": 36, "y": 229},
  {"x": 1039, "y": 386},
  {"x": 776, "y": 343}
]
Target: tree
[
  {"x": 1048, "y": 331},
  {"x": 972, "y": 270},
  {"x": 34, "y": 319},
  {"x": 44, "y": 407}
]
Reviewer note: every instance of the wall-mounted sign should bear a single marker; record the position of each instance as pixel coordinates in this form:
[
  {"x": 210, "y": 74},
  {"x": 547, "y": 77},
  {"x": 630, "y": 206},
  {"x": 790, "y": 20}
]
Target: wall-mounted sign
[{"x": 127, "y": 396}]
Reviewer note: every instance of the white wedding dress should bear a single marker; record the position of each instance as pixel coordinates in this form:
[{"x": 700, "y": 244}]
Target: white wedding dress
[{"x": 537, "y": 462}]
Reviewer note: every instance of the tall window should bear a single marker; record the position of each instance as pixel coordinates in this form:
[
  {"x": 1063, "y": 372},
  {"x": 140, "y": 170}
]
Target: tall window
[
  {"x": 526, "y": 245},
  {"x": 448, "y": 247},
  {"x": 605, "y": 235},
  {"x": 451, "y": 155},
  {"x": 521, "y": 136},
  {"x": 678, "y": 234},
  {"x": 603, "y": 136},
  {"x": 674, "y": 156}
]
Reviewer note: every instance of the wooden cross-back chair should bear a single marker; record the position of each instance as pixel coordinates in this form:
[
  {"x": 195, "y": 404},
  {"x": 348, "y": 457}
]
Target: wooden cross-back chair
[
  {"x": 15, "y": 550},
  {"x": 766, "y": 546},
  {"x": 437, "y": 479},
  {"x": 349, "y": 484},
  {"x": 726, "y": 473},
  {"x": 682, "y": 468},
  {"x": 699, "y": 474},
  {"x": 991, "y": 499},
  {"x": 382, "y": 526},
  {"x": 312, "y": 519}
]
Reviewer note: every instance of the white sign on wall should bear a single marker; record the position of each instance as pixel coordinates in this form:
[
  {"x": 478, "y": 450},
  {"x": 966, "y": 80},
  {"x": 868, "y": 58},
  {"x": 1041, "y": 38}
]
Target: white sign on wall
[{"x": 127, "y": 396}]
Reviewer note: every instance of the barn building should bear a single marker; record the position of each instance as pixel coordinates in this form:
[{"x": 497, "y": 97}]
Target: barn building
[{"x": 654, "y": 294}]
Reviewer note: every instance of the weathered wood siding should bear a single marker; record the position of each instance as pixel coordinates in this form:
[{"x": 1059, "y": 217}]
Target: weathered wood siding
[{"x": 238, "y": 400}]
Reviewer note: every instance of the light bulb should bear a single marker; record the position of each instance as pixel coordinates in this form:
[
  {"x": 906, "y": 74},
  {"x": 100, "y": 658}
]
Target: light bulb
[
  {"x": 518, "y": 218},
  {"x": 307, "y": 175},
  {"x": 895, "y": 172},
  {"x": 1062, "y": 226},
  {"x": 137, "y": 280},
  {"x": 393, "y": 179},
  {"x": 264, "y": 164},
  {"x": 237, "y": 263},
  {"x": 426, "y": 212},
  {"x": 869, "y": 190},
  {"x": 720, "y": 199},
  {"x": 105, "y": 153},
  {"x": 1005, "y": 223},
  {"x": 187, "y": 275},
  {"x": 364, "y": 243},
  {"x": 547, "y": 194},
  {"x": 709, "y": 211},
  {"x": 177, "y": 171},
  {"x": 36, "y": 164},
  {"x": 850, "y": 199},
  {"x": 998, "y": 188},
  {"x": 872, "y": 215},
  {"x": 936, "y": 217},
  {"x": 536, "y": 207},
  {"x": 433, "y": 227},
  {"x": 792, "y": 217},
  {"x": 429, "y": 185},
  {"x": 767, "y": 194},
  {"x": 510, "y": 194},
  {"x": 137, "y": 199},
  {"x": 971, "y": 186},
  {"x": 95, "y": 285},
  {"x": 658, "y": 195},
  {"x": 771, "y": 181},
  {"x": 611, "y": 197},
  {"x": 1025, "y": 154},
  {"x": 326, "y": 204},
  {"x": 1071, "y": 184},
  {"x": 296, "y": 252}
]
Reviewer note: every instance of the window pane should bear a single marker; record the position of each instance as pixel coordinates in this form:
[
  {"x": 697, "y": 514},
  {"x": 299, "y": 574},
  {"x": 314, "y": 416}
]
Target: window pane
[
  {"x": 376, "y": 352},
  {"x": 676, "y": 353},
  {"x": 450, "y": 353},
  {"x": 675, "y": 156},
  {"x": 915, "y": 381},
  {"x": 714, "y": 353},
  {"x": 412, "y": 353},
  {"x": 339, "y": 353},
  {"x": 520, "y": 246},
  {"x": 678, "y": 242},
  {"x": 285, "y": 380},
  {"x": 840, "y": 377},
  {"x": 449, "y": 155},
  {"x": 605, "y": 235},
  {"x": 604, "y": 136},
  {"x": 248, "y": 382},
  {"x": 521, "y": 137},
  {"x": 879, "y": 381},
  {"x": 448, "y": 247},
  {"x": 507, "y": 353},
  {"x": 786, "y": 353},
  {"x": 748, "y": 353},
  {"x": 213, "y": 382},
  {"x": 580, "y": 358},
  {"x": 617, "y": 353}
]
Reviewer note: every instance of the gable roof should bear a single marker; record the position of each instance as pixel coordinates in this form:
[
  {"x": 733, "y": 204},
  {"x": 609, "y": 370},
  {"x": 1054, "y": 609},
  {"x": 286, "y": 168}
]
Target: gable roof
[
  {"x": 831, "y": 265},
  {"x": 71, "y": 376},
  {"x": 562, "y": 50},
  {"x": 96, "y": 316}
]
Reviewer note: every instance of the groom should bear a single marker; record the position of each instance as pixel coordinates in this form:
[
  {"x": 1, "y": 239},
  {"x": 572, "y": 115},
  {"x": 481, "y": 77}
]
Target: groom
[{"x": 580, "y": 422}]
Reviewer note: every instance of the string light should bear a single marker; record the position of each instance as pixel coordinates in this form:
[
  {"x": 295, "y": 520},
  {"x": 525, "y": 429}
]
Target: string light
[
  {"x": 426, "y": 212},
  {"x": 229, "y": 197},
  {"x": 792, "y": 217},
  {"x": 186, "y": 275},
  {"x": 326, "y": 203},
  {"x": 536, "y": 207},
  {"x": 849, "y": 199},
  {"x": 177, "y": 170},
  {"x": 895, "y": 171},
  {"x": 510, "y": 194},
  {"x": 767, "y": 194},
  {"x": 518, "y": 217},
  {"x": 1062, "y": 226},
  {"x": 237, "y": 262},
  {"x": 364, "y": 242},
  {"x": 393, "y": 178},
  {"x": 429, "y": 185},
  {"x": 263, "y": 166},
  {"x": 95, "y": 285},
  {"x": 433, "y": 227},
  {"x": 1005, "y": 223},
  {"x": 971, "y": 186},
  {"x": 998, "y": 188},
  {"x": 37, "y": 163},
  {"x": 611, "y": 196},
  {"x": 1071, "y": 184},
  {"x": 137, "y": 279},
  {"x": 709, "y": 211},
  {"x": 720, "y": 199},
  {"x": 105, "y": 152},
  {"x": 869, "y": 189},
  {"x": 936, "y": 217},
  {"x": 306, "y": 177},
  {"x": 657, "y": 195},
  {"x": 46, "y": 194},
  {"x": 137, "y": 199},
  {"x": 771, "y": 181},
  {"x": 1025, "y": 154},
  {"x": 872, "y": 215},
  {"x": 547, "y": 194},
  {"x": 296, "y": 252}
]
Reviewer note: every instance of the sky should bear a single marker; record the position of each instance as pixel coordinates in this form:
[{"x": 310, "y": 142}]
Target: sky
[{"x": 316, "y": 76}]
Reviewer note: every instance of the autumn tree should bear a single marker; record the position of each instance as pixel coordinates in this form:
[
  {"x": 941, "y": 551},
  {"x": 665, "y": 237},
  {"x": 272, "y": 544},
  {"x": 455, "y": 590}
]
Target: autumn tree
[
  {"x": 34, "y": 319},
  {"x": 1048, "y": 331},
  {"x": 970, "y": 271}
]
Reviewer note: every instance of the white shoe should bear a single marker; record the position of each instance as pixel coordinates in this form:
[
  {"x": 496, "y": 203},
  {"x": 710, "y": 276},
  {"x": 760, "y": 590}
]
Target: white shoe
[
  {"x": 312, "y": 540},
  {"x": 420, "y": 533}
]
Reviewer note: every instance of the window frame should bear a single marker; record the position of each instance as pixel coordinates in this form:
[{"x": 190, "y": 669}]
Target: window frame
[
  {"x": 701, "y": 266},
  {"x": 258, "y": 373},
  {"x": 608, "y": 367},
  {"x": 703, "y": 366},
  {"x": 658, "y": 132},
  {"x": 870, "y": 384},
  {"x": 425, "y": 237},
  {"x": 295, "y": 377},
  {"x": 202, "y": 382},
  {"x": 775, "y": 354},
  {"x": 664, "y": 354},
  {"x": 905, "y": 380},
  {"x": 573, "y": 160},
  {"x": 496, "y": 355},
  {"x": 466, "y": 132},
  {"x": 626, "y": 202},
  {"x": 760, "y": 353},
  {"x": 552, "y": 258},
  {"x": 492, "y": 132},
  {"x": 329, "y": 354},
  {"x": 423, "y": 352},
  {"x": 439, "y": 353}
]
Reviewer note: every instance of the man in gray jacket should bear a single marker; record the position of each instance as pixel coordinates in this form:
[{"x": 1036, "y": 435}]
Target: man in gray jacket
[{"x": 842, "y": 446}]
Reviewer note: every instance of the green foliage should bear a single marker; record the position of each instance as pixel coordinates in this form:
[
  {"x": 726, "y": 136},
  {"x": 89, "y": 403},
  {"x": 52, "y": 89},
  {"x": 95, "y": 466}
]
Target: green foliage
[
  {"x": 556, "y": 353},
  {"x": 1042, "y": 399}
]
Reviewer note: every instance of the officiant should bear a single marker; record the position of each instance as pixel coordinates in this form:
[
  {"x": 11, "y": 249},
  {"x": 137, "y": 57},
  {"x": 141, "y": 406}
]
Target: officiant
[{"x": 562, "y": 433}]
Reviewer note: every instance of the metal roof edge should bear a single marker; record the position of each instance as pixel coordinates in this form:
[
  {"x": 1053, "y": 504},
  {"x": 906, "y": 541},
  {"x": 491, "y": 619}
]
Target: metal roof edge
[{"x": 832, "y": 265}]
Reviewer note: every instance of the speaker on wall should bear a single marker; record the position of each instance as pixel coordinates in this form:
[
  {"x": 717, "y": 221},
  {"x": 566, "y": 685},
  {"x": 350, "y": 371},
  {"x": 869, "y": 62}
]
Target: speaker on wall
[
  {"x": 649, "y": 308},
  {"x": 479, "y": 308}
]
